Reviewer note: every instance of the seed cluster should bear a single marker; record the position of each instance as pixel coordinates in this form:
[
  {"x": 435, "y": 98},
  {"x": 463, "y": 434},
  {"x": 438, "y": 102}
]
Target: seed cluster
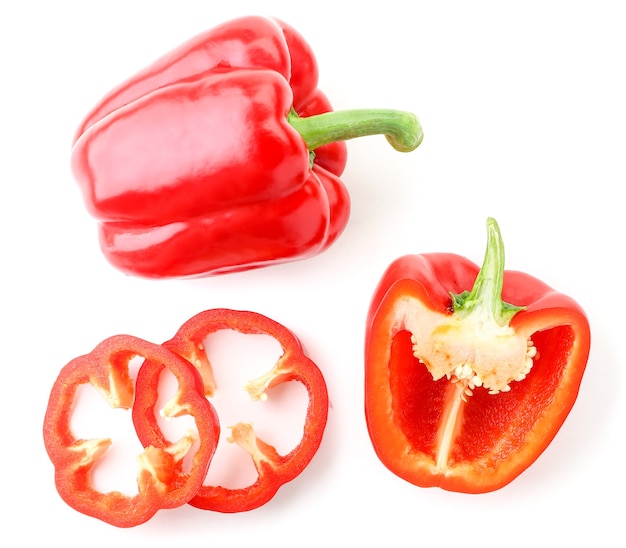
[{"x": 470, "y": 379}]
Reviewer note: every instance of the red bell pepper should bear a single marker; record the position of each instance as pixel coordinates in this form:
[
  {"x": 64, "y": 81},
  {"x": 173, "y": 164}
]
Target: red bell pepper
[
  {"x": 162, "y": 481},
  {"x": 462, "y": 389},
  {"x": 223, "y": 155},
  {"x": 273, "y": 469}
]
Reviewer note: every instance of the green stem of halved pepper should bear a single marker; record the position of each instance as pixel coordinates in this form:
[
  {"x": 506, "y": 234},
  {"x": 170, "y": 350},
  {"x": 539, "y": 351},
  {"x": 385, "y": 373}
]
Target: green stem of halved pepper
[{"x": 485, "y": 298}]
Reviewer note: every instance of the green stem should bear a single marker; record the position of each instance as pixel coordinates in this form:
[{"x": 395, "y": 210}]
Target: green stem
[
  {"x": 402, "y": 129},
  {"x": 485, "y": 298}
]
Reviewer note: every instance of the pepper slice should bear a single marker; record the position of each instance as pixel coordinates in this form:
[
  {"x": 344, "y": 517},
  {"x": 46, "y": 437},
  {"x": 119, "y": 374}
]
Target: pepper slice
[
  {"x": 273, "y": 469},
  {"x": 162, "y": 481},
  {"x": 223, "y": 155},
  {"x": 462, "y": 390}
]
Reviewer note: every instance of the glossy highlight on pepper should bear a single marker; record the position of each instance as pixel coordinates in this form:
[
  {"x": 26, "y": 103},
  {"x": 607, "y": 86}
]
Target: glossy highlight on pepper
[
  {"x": 469, "y": 372},
  {"x": 223, "y": 155}
]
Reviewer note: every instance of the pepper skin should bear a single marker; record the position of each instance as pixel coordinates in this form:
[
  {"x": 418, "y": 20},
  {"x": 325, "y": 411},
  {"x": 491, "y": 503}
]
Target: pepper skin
[
  {"x": 273, "y": 469},
  {"x": 462, "y": 390},
  {"x": 162, "y": 482},
  {"x": 223, "y": 156}
]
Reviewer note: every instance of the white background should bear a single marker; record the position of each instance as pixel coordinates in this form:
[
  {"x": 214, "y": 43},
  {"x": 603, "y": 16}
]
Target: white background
[{"x": 523, "y": 111}]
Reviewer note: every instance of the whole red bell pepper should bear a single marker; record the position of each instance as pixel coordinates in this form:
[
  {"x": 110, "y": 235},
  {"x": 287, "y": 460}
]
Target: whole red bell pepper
[
  {"x": 465, "y": 389},
  {"x": 273, "y": 469},
  {"x": 162, "y": 480},
  {"x": 223, "y": 155}
]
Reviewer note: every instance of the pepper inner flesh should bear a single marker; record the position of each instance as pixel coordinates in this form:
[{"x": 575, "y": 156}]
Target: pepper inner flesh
[{"x": 483, "y": 429}]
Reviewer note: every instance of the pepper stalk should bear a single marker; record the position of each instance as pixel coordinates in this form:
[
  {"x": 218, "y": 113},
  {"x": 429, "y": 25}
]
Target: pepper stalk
[
  {"x": 401, "y": 129},
  {"x": 485, "y": 298}
]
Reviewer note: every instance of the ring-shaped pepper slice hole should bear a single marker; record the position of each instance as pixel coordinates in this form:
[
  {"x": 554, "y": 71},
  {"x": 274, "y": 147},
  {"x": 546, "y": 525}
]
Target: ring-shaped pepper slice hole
[
  {"x": 94, "y": 418},
  {"x": 242, "y": 363}
]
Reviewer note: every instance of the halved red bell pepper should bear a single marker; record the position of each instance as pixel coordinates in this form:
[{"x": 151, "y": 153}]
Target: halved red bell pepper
[
  {"x": 273, "y": 469},
  {"x": 465, "y": 389},
  {"x": 162, "y": 481},
  {"x": 223, "y": 155}
]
